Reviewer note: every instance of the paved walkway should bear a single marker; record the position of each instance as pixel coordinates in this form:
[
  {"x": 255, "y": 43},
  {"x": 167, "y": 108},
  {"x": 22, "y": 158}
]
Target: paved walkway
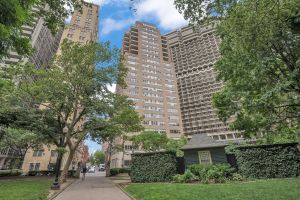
[{"x": 94, "y": 187}]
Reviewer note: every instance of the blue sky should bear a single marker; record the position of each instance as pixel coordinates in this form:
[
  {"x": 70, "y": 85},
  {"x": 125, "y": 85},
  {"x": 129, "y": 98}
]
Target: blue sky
[{"x": 116, "y": 17}]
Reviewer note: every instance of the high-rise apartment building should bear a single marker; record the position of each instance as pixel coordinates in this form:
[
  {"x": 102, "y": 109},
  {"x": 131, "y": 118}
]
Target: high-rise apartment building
[
  {"x": 151, "y": 82},
  {"x": 84, "y": 25},
  {"x": 194, "y": 52},
  {"x": 44, "y": 43}
]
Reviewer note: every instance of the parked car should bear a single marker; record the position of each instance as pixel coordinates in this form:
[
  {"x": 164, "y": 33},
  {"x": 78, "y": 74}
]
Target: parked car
[
  {"x": 101, "y": 167},
  {"x": 92, "y": 169}
]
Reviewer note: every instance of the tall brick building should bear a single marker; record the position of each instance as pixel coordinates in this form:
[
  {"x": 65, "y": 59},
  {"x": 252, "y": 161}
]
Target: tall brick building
[{"x": 151, "y": 83}]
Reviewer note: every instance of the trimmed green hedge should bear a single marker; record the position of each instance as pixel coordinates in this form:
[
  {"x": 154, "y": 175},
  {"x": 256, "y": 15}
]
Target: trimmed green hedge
[
  {"x": 269, "y": 161},
  {"x": 13, "y": 172},
  {"x": 153, "y": 167},
  {"x": 116, "y": 171}
]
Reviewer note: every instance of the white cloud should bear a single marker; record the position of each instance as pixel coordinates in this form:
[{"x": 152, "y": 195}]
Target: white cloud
[
  {"x": 162, "y": 10},
  {"x": 109, "y": 25},
  {"x": 112, "y": 88},
  {"x": 98, "y": 2},
  {"x": 103, "y": 2}
]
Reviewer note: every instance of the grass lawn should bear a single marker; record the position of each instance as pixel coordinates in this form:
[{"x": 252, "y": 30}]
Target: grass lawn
[
  {"x": 24, "y": 189},
  {"x": 275, "y": 189}
]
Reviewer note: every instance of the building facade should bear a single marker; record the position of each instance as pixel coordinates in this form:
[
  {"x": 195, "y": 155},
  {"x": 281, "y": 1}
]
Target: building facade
[
  {"x": 86, "y": 154},
  {"x": 82, "y": 29},
  {"x": 151, "y": 83},
  {"x": 8, "y": 158},
  {"x": 44, "y": 43},
  {"x": 44, "y": 158},
  {"x": 194, "y": 52}
]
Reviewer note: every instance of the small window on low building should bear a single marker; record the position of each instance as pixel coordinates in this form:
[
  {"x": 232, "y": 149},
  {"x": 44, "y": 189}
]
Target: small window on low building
[
  {"x": 34, "y": 166},
  {"x": 127, "y": 163},
  {"x": 204, "y": 157},
  {"x": 37, "y": 153}
]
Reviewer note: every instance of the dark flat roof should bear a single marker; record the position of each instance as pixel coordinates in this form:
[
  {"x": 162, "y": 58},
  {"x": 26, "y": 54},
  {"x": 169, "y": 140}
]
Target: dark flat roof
[{"x": 202, "y": 141}]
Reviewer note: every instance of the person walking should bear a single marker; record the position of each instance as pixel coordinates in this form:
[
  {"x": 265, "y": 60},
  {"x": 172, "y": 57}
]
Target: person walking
[{"x": 83, "y": 169}]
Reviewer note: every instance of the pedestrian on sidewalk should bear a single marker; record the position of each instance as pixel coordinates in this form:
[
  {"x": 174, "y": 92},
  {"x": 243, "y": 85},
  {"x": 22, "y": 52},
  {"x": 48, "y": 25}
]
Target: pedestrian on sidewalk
[{"x": 83, "y": 170}]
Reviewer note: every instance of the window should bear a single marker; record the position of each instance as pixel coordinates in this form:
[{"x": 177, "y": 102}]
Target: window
[
  {"x": 172, "y": 110},
  {"x": 222, "y": 137},
  {"x": 132, "y": 86},
  {"x": 173, "y": 124},
  {"x": 215, "y": 137},
  {"x": 173, "y": 117},
  {"x": 34, "y": 166},
  {"x": 204, "y": 157},
  {"x": 133, "y": 92},
  {"x": 133, "y": 99},
  {"x": 38, "y": 153},
  {"x": 128, "y": 147},
  {"x": 132, "y": 79},
  {"x": 230, "y": 136},
  {"x": 175, "y": 131},
  {"x": 127, "y": 163}
]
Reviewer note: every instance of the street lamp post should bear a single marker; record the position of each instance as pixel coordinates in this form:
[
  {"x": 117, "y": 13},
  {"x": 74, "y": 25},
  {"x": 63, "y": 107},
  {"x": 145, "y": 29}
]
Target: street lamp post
[{"x": 56, "y": 185}]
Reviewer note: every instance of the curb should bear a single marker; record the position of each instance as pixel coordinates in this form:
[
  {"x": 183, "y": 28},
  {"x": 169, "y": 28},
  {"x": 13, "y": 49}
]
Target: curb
[
  {"x": 121, "y": 187},
  {"x": 60, "y": 191}
]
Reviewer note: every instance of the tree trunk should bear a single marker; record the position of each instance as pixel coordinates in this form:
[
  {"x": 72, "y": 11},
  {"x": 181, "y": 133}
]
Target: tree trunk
[
  {"x": 64, "y": 174},
  {"x": 107, "y": 160},
  {"x": 123, "y": 149}
]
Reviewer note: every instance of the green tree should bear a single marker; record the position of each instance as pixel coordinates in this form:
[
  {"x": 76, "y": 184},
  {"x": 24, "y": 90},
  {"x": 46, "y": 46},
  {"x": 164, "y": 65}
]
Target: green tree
[
  {"x": 70, "y": 90},
  {"x": 19, "y": 141},
  {"x": 99, "y": 157},
  {"x": 154, "y": 141},
  {"x": 259, "y": 63},
  {"x": 128, "y": 122},
  {"x": 15, "y": 13},
  {"x": 150, "y": 141},
  {"x": 175, "y": 145},
  {"x": 92, "y": 159},
  {"x": 120, "y": 117}
]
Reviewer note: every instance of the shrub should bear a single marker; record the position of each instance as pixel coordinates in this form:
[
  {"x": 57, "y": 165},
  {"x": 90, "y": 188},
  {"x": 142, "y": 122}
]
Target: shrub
[
  {"x": 71, "y": 173},
  {"x": 116, "y": 171},
  {"x": 13, "y": 172},
  {"x": 153, "y": 167},
  {"x": 187, "y": 177},
  {"x": 212, "y": 173},
  {"x": 269, "y": 161},
  {"x": 237, "y": 177}
]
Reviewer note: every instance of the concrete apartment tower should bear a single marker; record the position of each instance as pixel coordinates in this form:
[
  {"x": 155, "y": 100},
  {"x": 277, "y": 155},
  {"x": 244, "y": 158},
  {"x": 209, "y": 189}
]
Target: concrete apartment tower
[
  {"x": 84, "y": 25},
  {"x": 194, "y": 52},
  {"x": 44, "y": 43},
  {"x": 82, "y": 28},
  {"x": 151, "y": 83}
]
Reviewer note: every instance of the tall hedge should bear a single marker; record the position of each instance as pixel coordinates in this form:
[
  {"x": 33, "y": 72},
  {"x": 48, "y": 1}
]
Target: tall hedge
[
  {"x": 153, "y": 167},
  {"x": 269, "y": 161}
]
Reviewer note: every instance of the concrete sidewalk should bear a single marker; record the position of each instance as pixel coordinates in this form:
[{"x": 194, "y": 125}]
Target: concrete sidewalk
[{"x": 94, "y": 187}]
